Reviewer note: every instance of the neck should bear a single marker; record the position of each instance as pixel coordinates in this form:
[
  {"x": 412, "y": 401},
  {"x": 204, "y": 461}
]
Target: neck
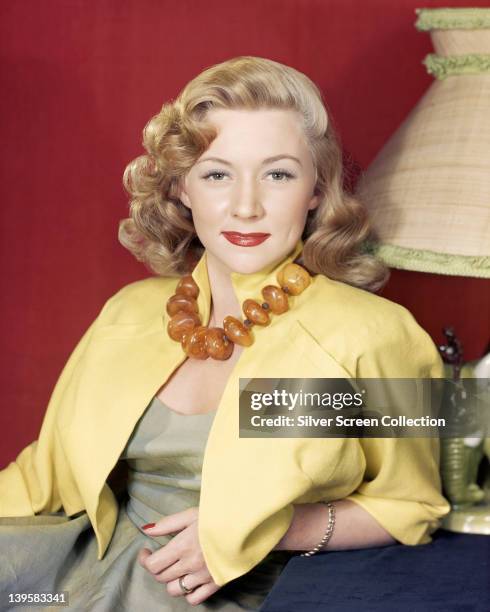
[{"x": 223, "y": 298}]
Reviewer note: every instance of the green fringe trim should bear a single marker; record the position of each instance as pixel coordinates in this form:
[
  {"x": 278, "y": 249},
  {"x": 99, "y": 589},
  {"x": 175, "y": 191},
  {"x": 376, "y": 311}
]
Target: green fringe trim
[
  {"x": 419, "y": 260},
  {"x": 443, "y": 66},
  {"x": 452, "y": 18}
]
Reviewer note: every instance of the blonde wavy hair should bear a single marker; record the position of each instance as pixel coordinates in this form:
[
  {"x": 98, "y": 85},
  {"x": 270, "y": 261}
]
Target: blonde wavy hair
[{"x": 160, "y": 231}]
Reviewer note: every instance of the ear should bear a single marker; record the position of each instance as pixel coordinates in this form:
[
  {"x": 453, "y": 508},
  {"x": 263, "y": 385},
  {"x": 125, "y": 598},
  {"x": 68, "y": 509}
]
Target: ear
[
  {"x": 182, "y": 194},
  {"x": 314, "y": 202}
]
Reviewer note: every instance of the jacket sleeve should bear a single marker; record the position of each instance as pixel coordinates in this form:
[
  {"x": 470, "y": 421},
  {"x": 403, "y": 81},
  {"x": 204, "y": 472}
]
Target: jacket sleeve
[
  {"x": 28, "y": 485},
  {"x": 401, "y": 487}
]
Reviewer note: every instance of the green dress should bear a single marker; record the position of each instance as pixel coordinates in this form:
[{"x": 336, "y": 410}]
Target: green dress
[{"x": 51, "y": 552}]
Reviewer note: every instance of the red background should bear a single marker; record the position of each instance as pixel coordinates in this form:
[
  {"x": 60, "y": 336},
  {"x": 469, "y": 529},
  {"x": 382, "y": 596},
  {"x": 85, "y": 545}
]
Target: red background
[{"x": 79, "y": 81}]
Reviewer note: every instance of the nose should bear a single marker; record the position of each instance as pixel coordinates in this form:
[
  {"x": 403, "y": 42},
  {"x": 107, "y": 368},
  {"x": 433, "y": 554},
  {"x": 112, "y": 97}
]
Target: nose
[{"x": 246, "y": 201}]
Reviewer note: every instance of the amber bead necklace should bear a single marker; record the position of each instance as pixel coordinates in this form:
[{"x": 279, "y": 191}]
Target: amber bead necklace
[{"x": 200, "y": 342}]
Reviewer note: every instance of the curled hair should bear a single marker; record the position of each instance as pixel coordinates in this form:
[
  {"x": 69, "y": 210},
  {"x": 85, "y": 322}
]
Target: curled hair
[{"x": 160, "y": 231}]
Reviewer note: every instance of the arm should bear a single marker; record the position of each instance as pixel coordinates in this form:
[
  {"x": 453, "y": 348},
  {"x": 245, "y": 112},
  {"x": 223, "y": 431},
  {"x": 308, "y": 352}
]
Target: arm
[
  {"x": 402, "y": 486},
  {"x": 354, "y": 528},
  {"x": 400, "y": 497}
]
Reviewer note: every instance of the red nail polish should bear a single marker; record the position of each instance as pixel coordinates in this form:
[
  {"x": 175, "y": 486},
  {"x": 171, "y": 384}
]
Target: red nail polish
[{"x": 148, "y": 526}]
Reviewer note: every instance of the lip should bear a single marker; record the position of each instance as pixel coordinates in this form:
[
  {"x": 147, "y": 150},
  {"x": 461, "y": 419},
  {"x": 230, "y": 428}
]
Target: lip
[{"x": 248, "y": 240}]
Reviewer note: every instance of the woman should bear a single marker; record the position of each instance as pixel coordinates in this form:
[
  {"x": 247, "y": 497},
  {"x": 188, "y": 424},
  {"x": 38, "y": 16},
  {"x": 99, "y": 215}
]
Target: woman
[{"x": 243, "y": 172}]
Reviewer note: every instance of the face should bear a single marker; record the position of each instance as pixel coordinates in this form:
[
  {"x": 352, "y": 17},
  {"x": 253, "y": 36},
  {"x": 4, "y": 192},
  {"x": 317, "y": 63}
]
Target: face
[{"x": 256, "y": 177}]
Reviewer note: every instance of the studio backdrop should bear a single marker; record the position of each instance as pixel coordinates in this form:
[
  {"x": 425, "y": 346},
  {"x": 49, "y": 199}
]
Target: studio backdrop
[{"x": 79, "y": 81}]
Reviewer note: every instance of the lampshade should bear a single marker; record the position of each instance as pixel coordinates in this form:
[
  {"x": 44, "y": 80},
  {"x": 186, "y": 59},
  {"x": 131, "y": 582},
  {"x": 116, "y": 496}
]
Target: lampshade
[{"x": 428, "y": 189}]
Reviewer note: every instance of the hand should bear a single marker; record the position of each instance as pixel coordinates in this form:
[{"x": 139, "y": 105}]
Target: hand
[{"x": 182, "y": 556}]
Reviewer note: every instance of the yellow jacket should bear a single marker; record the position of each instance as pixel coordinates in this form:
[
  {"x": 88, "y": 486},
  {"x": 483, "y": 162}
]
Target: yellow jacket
[{"x": 248, "y": 485}]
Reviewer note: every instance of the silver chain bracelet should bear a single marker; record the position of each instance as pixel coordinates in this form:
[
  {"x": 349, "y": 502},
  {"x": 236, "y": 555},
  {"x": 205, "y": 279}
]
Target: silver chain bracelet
[{"x": 328, "y": 533}]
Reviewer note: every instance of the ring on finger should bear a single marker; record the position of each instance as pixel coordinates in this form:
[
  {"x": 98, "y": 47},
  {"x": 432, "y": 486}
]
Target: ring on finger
[{"x": 185, "y": 590}]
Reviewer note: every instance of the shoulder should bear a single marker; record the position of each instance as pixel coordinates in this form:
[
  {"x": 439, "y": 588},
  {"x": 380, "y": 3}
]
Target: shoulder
[
  {"x": 354, "y": 311},
  {"x": 350, "y": 323},
  {"x": 138, "y": 301}
]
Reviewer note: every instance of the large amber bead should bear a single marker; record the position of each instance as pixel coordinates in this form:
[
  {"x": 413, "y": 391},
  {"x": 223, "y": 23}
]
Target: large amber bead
[
  {"x": 254, "y": 311},
  {"x": 179, "y": 302},
  {"x": 182, "y": 323},
  {"x": 237, "y": 332},
  {"x": 194, "y": 343},
  {"x": 187, "y": 286},
  {"x": 218, "y": 345},
  {"x": 276, "y": 298},
  {"x": 294, "y": 277}
]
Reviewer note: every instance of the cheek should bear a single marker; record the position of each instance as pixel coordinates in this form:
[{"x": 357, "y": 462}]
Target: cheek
[
  {"x": 292, "y": 202},
  {"x": 208, "y": 218},
  {"x": 205, "y": 203}
]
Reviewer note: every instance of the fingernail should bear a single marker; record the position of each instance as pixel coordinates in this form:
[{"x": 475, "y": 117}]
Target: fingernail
[{"x": 148, "y": 526}]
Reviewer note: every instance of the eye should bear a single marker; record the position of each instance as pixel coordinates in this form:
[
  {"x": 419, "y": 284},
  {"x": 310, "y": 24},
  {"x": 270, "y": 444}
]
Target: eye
[
  {"x": 281, "y": 176},
  {"x": 214, "y": 175}
]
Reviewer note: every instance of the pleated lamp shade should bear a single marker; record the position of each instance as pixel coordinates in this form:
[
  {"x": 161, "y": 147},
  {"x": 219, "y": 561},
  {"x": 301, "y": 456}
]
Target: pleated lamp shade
[{"x": 428, "y": 190}]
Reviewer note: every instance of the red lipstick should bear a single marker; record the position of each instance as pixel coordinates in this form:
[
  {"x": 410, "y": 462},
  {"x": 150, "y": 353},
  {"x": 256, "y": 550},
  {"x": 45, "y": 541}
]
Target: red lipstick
[{"x": 247, "y": 240}]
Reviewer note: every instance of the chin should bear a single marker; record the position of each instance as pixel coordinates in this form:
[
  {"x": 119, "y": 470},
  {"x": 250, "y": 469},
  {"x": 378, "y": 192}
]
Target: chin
[
  {"x": 247, "y": 263},
  {"x": 248, "y": 260},
  {"x": 247, "y": 269}
]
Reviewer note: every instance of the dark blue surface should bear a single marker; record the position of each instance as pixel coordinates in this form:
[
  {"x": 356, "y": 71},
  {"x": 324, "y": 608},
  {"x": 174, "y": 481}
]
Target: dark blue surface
[{"x": 450, "y": 574}]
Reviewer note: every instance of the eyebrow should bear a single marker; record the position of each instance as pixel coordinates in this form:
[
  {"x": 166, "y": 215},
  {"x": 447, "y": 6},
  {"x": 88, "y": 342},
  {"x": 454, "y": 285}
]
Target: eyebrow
[{"x": 268, "y": 160}]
